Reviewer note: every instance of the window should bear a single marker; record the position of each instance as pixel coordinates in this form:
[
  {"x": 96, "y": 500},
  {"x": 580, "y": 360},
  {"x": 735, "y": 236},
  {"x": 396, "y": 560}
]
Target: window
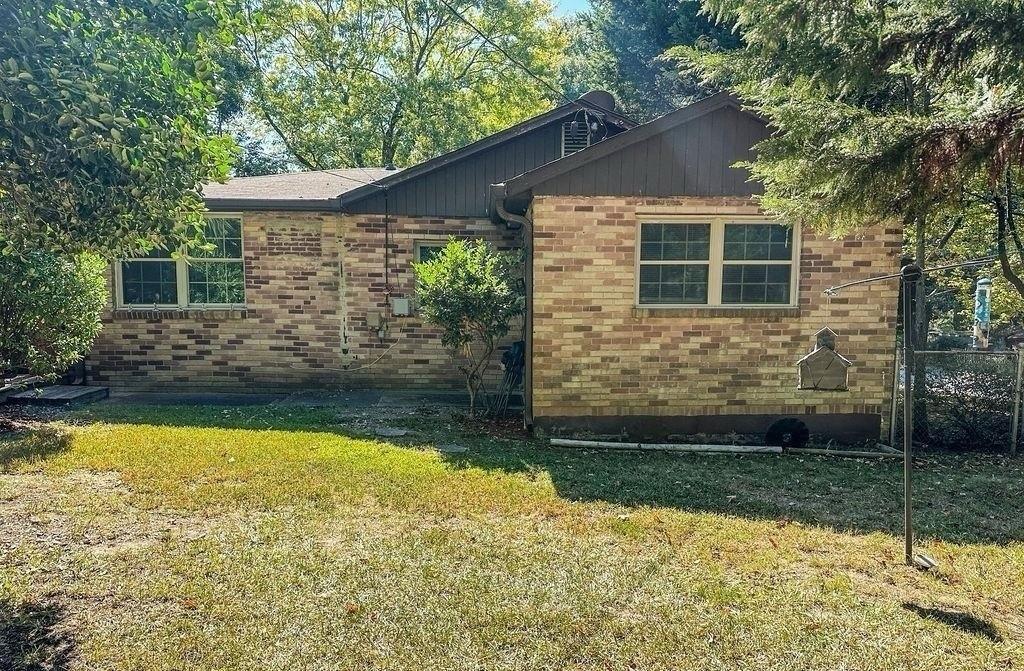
[
  {"x": 216, "y": 277},
  {"x": 212, "y": 277},
  {"x": 426, "y": 251},
  {"x": 717, "y": 262}
]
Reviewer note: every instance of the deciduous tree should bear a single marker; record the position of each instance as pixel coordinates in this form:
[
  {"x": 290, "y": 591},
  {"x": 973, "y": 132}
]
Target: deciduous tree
[
  {"x": 392, "y": 82},
  {"x": 105, "y": 135}
]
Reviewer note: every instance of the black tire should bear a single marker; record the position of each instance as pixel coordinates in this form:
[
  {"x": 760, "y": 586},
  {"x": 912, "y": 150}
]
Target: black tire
[{"x": 786, "y": 433}]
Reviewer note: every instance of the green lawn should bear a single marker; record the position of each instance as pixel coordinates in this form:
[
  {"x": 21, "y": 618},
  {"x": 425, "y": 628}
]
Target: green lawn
[{"x": 291, "y": 538}]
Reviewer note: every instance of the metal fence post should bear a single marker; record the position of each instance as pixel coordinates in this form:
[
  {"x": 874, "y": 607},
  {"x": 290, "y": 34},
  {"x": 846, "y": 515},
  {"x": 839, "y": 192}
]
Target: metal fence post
[
  {"x": 1015, "y": 425},
  {"x": 910, "y": 275}
]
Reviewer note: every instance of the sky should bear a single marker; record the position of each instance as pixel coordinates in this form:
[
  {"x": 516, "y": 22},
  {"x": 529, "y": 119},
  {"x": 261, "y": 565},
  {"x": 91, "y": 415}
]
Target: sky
[{"x": 563, "y": 7}]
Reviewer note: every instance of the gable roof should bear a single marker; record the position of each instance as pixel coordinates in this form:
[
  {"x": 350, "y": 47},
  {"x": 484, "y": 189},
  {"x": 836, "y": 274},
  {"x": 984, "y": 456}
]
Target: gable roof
[
  {"x": 522, "y": 184},
  {"x": 597, "y": 102},
  {"x": 313, "y": 189}
]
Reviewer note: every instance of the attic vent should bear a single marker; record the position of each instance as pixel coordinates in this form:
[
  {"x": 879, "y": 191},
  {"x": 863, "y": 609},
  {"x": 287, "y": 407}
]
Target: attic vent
[{"x": 575, "y": 136}]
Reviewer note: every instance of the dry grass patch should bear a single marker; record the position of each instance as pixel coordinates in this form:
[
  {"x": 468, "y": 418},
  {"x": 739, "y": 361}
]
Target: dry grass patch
[{"x": 282, "y": 538}]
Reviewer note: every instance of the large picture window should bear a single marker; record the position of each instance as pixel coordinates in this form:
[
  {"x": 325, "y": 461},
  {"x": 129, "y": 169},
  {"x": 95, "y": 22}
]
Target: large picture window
[
  {"x": 205, "y": 278},
  {"x": 716, "y": 262}
]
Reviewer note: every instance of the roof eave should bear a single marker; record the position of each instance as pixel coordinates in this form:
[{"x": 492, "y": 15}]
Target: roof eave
[{"x": 272, "y": 204}]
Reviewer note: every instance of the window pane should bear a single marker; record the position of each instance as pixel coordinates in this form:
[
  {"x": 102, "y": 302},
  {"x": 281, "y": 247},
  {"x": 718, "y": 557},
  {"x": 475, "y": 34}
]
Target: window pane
[
  {"x": 671, "y": 284},
  {"x": 426, "y": 253},
  {"x": 225, "y": 234},
  {"x": 764, "y": 284},
  {"x": 149, "y": 283},
  {"x": 675, "y": 242},
  {"x": 216, "y": 282},
  {"x": 758, "y": 242}
]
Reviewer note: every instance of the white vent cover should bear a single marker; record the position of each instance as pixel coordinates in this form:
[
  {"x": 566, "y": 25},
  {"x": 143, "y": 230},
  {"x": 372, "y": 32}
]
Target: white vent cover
[{"x": 575, "y": 136}]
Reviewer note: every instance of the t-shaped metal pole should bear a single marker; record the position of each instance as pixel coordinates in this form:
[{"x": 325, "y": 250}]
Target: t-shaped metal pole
[{"x": 910, "y": 275}]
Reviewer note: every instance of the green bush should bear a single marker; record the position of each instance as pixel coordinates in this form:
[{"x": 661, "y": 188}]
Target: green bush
[
  {"x": 49, "y": 311},
  {"x": 473, "y": 294}
]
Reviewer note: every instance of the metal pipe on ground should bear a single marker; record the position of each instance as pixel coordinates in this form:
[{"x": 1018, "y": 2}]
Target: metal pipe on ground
[
  {"x": 843, "y": 453},
  {"x": 713, "y": 449},
  {"x": 668, "y": 447}
]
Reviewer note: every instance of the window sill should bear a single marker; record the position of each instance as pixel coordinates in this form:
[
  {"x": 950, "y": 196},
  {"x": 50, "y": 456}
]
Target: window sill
[
  {"x": 704, "y": 311},
  {"x": 207, "y": 314}
]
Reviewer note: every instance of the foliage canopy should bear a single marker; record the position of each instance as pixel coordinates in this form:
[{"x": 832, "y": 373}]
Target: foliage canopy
[
  {"x": 353, "y": 83},
  {"x": 620, "y": 46},
  {"x": 105, "y": 137}
]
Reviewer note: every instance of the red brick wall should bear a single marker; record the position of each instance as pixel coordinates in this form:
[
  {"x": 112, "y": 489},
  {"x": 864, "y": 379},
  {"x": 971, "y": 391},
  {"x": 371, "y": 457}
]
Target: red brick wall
[
  {"x": 596, "y": 354},
  {"x": 311, "y": 281}
]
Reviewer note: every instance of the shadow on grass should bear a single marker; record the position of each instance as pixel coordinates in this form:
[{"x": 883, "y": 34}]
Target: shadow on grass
[
  {"x": 959, "y": 620},
  {"x": 28, "y": 446},
  {"x": 30, "y": 639},
  {"x": 958, "y": 498}
]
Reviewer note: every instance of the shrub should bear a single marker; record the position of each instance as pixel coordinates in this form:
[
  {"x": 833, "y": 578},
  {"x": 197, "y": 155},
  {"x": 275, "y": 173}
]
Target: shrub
[
  {"x": 49, "y": 310},
  {"x": 473, "y": 294}
]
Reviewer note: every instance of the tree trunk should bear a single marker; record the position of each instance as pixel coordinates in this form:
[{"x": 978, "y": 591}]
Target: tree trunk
[
  {"x": 1002, "y": 202},
  {"x": 472, "y": 397}
]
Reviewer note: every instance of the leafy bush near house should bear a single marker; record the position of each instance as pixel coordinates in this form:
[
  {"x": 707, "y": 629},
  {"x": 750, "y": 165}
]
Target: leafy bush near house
[
  {"x": 49, "y": 310},
  {"x": 473, "y": 293}
]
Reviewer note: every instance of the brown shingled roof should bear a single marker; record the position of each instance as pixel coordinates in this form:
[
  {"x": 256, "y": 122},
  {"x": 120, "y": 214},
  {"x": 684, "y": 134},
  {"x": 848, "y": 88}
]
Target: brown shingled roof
[{"x": 290, "y": 189}]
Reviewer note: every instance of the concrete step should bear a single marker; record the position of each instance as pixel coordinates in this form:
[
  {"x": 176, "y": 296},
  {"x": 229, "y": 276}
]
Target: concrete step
[{"x": 60, "y": 394}]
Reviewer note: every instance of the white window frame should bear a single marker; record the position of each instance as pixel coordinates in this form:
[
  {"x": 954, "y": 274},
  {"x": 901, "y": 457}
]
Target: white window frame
[
  {"x": 716, "y": 261},
  {"x": 181, "y": 276},
  {"x": 419, "y": 244}
]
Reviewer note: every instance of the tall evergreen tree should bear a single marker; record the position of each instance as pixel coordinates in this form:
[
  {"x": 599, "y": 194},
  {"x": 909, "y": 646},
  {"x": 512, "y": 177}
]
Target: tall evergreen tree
[
  {"x": 910, "y": 111},
  {"x": 623, "y": 43}
]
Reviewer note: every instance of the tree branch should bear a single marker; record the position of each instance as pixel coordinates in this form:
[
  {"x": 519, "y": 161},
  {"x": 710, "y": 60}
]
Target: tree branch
[{"x": 999, "y": 203}]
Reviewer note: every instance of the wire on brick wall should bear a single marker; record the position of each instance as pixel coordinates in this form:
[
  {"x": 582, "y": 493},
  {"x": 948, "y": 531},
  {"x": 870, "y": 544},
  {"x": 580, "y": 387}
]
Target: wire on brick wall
[{"x": 349, "y": 369}]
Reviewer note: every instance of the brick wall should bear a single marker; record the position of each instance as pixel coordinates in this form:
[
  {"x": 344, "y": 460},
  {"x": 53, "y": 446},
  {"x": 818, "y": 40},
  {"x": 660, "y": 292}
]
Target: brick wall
[
  {"x": 312, "y": 280},
  {"x": 413, "y": 348},
  {"x": 596, "y": 355}
]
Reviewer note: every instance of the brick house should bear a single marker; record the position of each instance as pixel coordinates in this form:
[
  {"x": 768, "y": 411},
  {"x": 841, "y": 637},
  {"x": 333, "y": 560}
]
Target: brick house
[{"x": 661, "y": 299}]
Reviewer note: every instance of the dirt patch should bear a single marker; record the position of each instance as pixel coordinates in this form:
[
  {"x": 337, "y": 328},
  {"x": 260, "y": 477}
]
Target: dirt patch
[
  {"x": 19, "y": 419},
  {"x": 509, "y": 427},
  {"x": 82, "y": 511}
]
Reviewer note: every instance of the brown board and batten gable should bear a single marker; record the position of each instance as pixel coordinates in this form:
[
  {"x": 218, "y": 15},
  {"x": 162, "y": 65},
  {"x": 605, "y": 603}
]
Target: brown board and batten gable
[
  {"x": 688, "y": 152},
  {"x": 457, "y": 184},
  {"x": 453, "y": 185}
]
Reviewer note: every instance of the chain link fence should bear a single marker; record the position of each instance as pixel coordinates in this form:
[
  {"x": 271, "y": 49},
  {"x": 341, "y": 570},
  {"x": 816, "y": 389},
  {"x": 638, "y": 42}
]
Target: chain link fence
[{"x": 964, "y": 400}]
